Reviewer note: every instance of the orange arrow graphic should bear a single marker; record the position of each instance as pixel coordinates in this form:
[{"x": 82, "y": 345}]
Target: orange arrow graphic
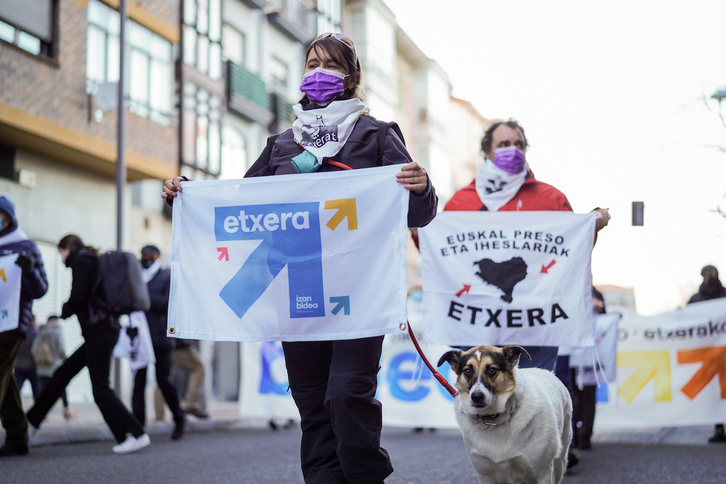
[
  {"x": 223, "y": 253},
  {"x": 346, "y": 208},
  {"x": 650, "y": 365},
  {"x": 463, "y": 290},
  {"x": 714, "y": 363}
]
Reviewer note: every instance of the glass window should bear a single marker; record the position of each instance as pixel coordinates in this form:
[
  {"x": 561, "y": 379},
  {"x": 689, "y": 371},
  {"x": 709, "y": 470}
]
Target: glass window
[
  {"x": 233, "y": 43},
  {"x": 201, "y": 131},
  {"x": 32, "y": 33},
  {"x": 234, "y": 155},
  {"x": 7, "y": 32},
  {"x": 202, "y": 36}
]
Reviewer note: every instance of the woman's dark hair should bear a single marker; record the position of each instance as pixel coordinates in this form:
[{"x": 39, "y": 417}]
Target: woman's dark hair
[
  {"x": 486, "y": 141},
  {"x": 343, "y": 55},
  {"x": 73, "y": 243}
]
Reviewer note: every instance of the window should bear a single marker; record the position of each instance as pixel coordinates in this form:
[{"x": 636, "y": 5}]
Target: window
[
  {"x": 29, "y": 25},
  {"x": 233, "y": 43},
  {"x": 278, "y": 75},
  {"x": 201, "y": 133},
  {"x": 149, "y": 56},
  {"x": 202, "y": 36},
  {"x": 234, "y": 154}
]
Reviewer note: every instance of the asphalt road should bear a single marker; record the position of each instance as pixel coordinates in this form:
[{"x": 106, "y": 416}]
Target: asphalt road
[{"x": 259, "y": 455}]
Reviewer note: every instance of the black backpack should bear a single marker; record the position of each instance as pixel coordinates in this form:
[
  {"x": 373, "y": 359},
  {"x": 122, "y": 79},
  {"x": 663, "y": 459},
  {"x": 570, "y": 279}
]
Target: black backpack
[{"x": 123, "y": 288}]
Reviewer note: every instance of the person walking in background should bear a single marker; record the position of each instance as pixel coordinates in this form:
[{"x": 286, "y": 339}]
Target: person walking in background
[
  {"x": 49, "y": 351},
  {"x": 33, "y": 285},
  {"x": 711, "y": 288},
  {"x": 100, "y": 330},
  {"x": 158, "y": 281},
  {"x": 186, "y": 356},
  {"x": 333, "y": 383},
  {"x": 25, "y": 366}
]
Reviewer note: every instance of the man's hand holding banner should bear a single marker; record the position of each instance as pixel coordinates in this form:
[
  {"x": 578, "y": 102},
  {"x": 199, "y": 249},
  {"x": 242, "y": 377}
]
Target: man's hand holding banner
[
  {"x": 291, "y": 258},
  {"x": 508, "y": 278}
]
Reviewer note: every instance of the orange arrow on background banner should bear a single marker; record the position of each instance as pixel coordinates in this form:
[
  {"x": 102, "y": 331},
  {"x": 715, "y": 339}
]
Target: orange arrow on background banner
[
  {"x": 714, "y": 363},
  {"x": 650, "y": 365},
  {"x": 346, "y": 208}
]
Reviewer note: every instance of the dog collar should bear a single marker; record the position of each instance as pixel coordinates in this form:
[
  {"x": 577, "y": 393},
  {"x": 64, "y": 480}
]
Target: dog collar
[{"x": 488, "y": 420}]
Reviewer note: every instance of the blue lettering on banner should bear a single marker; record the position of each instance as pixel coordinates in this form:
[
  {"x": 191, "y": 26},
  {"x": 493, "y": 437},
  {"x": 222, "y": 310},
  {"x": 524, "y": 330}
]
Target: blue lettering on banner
[
  {"x": 396, "y": 375},
  {"x": 290, "y": 234}
]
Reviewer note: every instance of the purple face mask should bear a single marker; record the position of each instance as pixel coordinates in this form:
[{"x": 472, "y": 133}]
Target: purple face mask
[
  {"x": 509, "y": 159},
  {"x": 322, "y": 85}
]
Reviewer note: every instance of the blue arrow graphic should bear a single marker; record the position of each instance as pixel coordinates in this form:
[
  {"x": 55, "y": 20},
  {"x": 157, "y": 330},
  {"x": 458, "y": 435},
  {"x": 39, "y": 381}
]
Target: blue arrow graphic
[
  {"x": 290, "y": 235},
  {"x": 343, "y": 303}
]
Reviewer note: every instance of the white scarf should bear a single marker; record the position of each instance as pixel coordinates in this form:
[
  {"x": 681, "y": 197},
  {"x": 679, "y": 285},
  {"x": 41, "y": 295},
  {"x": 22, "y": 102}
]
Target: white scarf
[
  {"x": 149, "y": 273},
  {"x": 324, "y": 131},
  {"x": 495, "y": 186},
  {"x": 15, "y": 236}
]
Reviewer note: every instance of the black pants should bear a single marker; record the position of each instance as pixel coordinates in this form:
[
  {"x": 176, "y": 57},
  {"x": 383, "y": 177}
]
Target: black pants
[
  {"x": 171, "y": 395},
  {"x": 334, "y": 384},
  {"x": 64, "y": 396},
  {"x": 22, "y": 374},
  {"x": 11, "y": 407},
  {"x": 94, "y": 353}
]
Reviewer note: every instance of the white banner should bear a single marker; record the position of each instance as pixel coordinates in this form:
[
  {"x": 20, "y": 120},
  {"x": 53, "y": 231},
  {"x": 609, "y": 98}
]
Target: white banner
[
  {"x": 671, "y": 369},
  {"x": 134, "y": 341},
  {"x": 10, "y": 279},
  {"x": 508, "y": 278},
  {"x": 294, "y": 257},
  {"x": 410, "y": 395},
  {"x": 602, "y": 356}
]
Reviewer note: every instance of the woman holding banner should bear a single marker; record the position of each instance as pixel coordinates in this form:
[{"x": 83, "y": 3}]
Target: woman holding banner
[{"x": 334, "y": 383}]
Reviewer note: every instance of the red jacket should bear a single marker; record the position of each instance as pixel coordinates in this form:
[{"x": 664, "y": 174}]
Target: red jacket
[{"x": 532, "y": 195}]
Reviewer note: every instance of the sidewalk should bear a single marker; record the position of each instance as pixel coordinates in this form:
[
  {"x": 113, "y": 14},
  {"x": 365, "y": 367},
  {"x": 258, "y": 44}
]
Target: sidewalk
[{"x": 88, "y": 426}]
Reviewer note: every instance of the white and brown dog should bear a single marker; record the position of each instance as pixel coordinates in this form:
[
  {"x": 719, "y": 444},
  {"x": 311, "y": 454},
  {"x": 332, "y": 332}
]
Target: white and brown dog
[{"x": 516, "y": 422}]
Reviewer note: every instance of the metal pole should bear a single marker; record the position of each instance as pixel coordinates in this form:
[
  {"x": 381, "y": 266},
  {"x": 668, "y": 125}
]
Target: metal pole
[{"x": 120, "y": 162}]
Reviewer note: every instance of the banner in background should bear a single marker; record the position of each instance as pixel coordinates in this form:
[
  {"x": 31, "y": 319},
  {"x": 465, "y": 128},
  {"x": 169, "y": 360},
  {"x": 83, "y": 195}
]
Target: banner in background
[
  {"x": 602, "y": 356},
  {"x": 671, "y": 369},
  {"x": 10, "y": 278},
  {"x": 294, "y": 258},
  {"x": 508, "y": 278}
]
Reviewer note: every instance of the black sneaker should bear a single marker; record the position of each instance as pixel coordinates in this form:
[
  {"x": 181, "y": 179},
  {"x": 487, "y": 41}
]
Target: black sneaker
[{"x": 8, "y": 450}]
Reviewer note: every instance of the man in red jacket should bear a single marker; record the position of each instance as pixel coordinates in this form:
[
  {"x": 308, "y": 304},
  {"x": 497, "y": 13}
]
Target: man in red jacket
[{"x": 505, "y": 183}]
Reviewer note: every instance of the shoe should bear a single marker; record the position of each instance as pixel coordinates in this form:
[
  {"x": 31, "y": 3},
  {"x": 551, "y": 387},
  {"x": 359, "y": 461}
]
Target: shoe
[
  {"x": 8, "y": 450},
  {"x": 717, "y": 438},
  {"x": 68, "y": 413},
  {"x": 178, "y": 428},
  {"x": 197, "y": 412},
  {"x": 132, "y": 444},
  {"x": 572, "y": 458}
]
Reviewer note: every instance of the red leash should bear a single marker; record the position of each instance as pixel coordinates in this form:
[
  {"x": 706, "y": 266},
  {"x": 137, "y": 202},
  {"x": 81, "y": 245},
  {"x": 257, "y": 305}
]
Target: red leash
[{"x": 444, "y": 382}]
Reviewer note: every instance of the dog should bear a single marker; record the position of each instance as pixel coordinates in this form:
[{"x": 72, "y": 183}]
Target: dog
[{"x": 516, "y": 422}]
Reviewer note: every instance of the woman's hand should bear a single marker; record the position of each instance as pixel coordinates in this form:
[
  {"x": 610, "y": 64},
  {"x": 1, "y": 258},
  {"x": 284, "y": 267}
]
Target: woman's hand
[
  {"x": 603, "y": 218},
  {"x": 172, "y": 187},
  {"x": 414, "y": 178}
]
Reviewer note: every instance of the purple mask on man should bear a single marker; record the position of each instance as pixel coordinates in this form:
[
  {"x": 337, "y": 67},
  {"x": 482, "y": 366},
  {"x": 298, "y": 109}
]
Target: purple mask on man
[
  {"x": 322, "y": 85},
  {"x": 509, "y": 159}
]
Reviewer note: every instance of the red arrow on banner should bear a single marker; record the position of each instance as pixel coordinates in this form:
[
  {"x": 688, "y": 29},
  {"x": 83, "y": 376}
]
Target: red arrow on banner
[
  {"x": 714, "y": 364},
  {"x": 223, "y": 253},
  {"x": 547, "y": 267},
  {"x": 463, "y": 290}
]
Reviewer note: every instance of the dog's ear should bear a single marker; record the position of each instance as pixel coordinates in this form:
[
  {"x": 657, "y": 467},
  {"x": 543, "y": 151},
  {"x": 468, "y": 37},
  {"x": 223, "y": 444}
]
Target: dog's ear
[
  {"x": 452, "y": 357},
  {"x": 512, "y": 354}
]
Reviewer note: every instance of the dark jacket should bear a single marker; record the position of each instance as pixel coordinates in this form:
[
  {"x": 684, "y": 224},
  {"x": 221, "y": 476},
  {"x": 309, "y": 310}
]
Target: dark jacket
[
  {"x": 707, "y": 292},
  {"x": 359, "y": 151},
  {"x": 33, "y": 285},
  {"x": 159, "y": 287},
  {"x": 86, "y": 300}
]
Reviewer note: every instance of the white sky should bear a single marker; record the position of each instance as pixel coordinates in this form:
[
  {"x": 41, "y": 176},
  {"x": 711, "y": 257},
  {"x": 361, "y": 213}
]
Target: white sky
[{"x": 611, "y": 95}]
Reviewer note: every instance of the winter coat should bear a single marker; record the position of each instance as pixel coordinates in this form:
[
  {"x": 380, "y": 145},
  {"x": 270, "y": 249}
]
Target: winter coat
[
  {"x": 86, "y": 299},
  {"x": 156, "y": 316},
  {"x": 33, "y": 285},
  {"x": 533, "y": 195},
  {"x": 706, "y": 293},
  {"x": 359, "y": 151},
  {"x": 52, "y": 334}
]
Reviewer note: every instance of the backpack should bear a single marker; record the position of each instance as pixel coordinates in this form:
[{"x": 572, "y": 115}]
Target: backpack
[
  {"x": 123, "y": 288},
  {"x": 42, "y": 354}
]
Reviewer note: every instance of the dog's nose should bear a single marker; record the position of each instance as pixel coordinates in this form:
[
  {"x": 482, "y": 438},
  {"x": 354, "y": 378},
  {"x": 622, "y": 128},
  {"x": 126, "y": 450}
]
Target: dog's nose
[{"x": 477, "y": 398}]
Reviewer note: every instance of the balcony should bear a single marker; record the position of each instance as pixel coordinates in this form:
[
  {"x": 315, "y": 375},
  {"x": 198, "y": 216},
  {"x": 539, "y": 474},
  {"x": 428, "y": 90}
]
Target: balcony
[
  {"x": 247, "y": 95},
  {"x": 282, "y": 112},
  {"x": 255, "y": 3},
  {"x": 294, "y": 18}
]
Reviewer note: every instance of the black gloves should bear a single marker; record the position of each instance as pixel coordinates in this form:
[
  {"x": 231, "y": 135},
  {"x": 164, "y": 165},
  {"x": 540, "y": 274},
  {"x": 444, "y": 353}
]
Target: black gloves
[{"x": 26, "y": 262}]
